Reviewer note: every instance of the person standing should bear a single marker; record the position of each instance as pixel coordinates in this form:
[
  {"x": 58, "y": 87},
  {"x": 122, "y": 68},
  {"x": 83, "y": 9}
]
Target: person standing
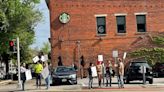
[
  {"x": 47, "y": 78},
  {"x": 23, "y": 75},
  {"x": 109, "y": 73},
  {"x": 99, "y": 71},
  {"x": 117, "y": 73},
  {"x": 82, "y": 64},
  {"x": 38, "y": 69},
  {"x": 90, "y": 75},
  {"x": 121, "y": 72}
]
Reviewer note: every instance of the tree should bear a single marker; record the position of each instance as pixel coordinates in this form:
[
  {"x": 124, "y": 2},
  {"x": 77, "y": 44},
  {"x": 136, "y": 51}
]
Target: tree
[
  {"x": 46, "y": 48},
  {"x": 153, "y": 54},
  {"x": 18, "y": 19}
]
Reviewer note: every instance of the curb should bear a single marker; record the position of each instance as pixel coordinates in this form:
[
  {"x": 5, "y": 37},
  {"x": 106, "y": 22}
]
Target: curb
[{"x": 5, "y": 82}]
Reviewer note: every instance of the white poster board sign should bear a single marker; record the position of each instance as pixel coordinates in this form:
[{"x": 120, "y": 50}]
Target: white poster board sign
[
  {"x": 35, "y": 59},
  {"x": 100, "y": 57},
  {"x": 94, "y": 71},
  {"x": 44, "y": 58},
  {"x": 28, "y": 75},
  {"x": 124, "y": 56},
  {"x": 45, "y": 72},
  {"x": 115, "y": 53}
]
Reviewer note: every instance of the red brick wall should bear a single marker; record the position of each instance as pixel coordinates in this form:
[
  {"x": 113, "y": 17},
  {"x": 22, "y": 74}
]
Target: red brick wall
[{"x": 82, "y": 27}]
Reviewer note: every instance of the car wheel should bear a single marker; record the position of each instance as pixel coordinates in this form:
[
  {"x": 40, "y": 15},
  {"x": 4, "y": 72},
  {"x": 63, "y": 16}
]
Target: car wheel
[
  {"x": 126, "y": 80},
  {"x": 151, "y": 81},
  {"x": 76, "y": 82}
]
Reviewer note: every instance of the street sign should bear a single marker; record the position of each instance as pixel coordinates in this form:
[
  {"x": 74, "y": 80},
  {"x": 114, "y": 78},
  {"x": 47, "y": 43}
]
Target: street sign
[
  {"x": 142, "y": 69},
  {"x": 115, "y": 53}
]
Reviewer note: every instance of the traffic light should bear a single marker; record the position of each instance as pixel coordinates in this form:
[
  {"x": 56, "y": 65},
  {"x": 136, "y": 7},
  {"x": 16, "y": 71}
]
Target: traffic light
[{"x": 12, "y": 46}]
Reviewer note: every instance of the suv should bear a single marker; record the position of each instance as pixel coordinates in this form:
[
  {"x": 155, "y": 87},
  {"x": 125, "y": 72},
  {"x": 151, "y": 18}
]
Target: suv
[
  {"x": 158, "y": 69},
  {"x": 133, "y": 68}
]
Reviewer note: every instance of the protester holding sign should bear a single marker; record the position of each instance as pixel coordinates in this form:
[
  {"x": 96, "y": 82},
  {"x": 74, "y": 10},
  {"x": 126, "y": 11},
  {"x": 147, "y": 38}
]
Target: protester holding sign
[
  {"x": 46, "y": 75},
  {"x": 99, "y": 71},
  {"x": 23, "y": 76},
  {"x": 90, "y": 75},
  {"x": 38, "y": 69},
  {"x": 109, "y": 73}
]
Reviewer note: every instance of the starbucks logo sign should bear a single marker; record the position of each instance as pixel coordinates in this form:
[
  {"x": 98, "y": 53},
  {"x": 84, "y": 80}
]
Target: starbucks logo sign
[{"x": 64, "y": 18}]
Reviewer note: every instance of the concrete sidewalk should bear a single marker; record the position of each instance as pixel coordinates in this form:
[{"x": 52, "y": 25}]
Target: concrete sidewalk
[{"x": 82, "y": 86}]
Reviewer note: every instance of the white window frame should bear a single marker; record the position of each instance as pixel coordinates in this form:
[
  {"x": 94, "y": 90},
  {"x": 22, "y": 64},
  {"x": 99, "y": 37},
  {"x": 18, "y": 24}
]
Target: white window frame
[
  {"x": 140, "y": 13},
  {"x": 101, "y": 15},
  {"x": 120, "y": 14}
]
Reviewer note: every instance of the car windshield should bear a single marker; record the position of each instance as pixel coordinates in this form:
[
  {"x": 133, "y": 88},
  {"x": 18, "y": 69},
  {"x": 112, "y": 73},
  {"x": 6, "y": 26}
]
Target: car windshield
[
  {"x": 64, "y": 69},
  {"x": 140, "y": 64}
]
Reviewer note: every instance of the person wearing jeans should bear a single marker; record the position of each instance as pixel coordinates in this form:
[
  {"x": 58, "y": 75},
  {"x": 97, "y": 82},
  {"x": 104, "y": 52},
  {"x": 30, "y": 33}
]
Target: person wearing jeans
[
  {"x": 23, "y": 76},
  {"x": 109, "y": 73},
  {"x": 47, "y": 79},
  {"x": 38, "y": 70},
  {"x": 90, "y": 76},
  {"x": 120, "y": 73}
]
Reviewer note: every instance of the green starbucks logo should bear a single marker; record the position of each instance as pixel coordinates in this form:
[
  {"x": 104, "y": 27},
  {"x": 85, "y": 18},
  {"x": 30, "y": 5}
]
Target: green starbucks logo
[{"x": 64, "y": 18}]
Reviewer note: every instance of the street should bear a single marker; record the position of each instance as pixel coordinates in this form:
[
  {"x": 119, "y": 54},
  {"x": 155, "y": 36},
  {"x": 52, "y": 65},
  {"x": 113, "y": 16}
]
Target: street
[{"x": 137, "y": 86}]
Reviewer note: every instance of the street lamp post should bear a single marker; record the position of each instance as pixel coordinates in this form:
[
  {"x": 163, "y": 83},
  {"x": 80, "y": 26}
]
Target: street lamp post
[{"x": 78, "y": 53}]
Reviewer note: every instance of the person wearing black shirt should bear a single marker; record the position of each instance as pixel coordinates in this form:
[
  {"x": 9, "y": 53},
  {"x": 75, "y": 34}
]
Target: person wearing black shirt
[
  {"x": 109, "y": 73},
  {"x": 90, "y": 76}
]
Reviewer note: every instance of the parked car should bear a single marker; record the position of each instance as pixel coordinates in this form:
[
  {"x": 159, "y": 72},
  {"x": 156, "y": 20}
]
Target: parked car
[
  {"x": 64, "y": 74},
  {"x": 158, "y": 69},
  {"x": 133, "y": 71}
]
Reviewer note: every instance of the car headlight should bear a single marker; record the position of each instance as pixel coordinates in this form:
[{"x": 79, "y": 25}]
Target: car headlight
[{"x": 72, "y": 76}]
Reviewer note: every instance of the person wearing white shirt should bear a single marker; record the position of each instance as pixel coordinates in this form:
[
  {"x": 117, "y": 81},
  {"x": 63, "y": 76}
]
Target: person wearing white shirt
[{"x": 23, "y": 76}]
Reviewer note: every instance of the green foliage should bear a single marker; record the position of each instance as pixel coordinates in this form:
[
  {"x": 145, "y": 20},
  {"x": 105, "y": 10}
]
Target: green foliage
[
  {"x": 153, "y": 55},
  {"x": 46, "y": 48},
  {"x": 18, "y": 19},
  {"x": 159, "y": 40}
]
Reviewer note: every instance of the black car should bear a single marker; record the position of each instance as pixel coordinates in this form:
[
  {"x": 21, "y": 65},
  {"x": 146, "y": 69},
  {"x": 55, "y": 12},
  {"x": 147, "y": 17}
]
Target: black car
[
  {"x": 158, "y": 69},
  {"x": 133, "y": 71},
  {"x": 64, "y": 74}
]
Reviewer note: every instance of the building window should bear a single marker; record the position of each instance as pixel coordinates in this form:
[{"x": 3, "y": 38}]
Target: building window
[
  {"x": 101, "y": 25},
  {"x": 141, "y": 23},
  {"x": 121, "y": 24}
]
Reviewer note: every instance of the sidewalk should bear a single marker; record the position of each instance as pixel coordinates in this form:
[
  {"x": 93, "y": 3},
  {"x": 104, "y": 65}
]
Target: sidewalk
[
  {"x": 82, "y": 86},
  {"x": 4, "y": 82}
]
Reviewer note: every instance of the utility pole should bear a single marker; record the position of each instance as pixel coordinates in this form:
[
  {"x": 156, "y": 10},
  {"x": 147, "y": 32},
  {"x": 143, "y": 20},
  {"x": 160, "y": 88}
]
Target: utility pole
[
  {"x": 18, "y": 61},
  {"x": 78, "y": 47}
]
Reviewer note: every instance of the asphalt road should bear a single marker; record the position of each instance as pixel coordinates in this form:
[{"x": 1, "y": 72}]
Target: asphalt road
[{"x": 82, "y": 86}]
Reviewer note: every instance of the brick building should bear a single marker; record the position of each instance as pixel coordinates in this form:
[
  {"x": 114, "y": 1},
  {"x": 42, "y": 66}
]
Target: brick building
[{"x": 91, "y": 27}]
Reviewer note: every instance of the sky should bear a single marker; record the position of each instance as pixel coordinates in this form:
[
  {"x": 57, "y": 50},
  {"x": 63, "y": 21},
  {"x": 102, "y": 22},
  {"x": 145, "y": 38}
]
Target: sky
[{"x": 42, "y": 30}]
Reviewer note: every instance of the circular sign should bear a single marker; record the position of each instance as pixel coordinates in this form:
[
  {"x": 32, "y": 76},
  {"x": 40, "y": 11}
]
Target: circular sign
[{"x": 64, "y": 18}]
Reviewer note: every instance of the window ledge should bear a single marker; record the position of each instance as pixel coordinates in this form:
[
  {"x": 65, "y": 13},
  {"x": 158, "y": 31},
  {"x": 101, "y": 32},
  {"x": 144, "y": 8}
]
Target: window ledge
[
  {"x": 141, "y": 33},
  {"x": 101, "y": 35},
  {"x": 121, "y": 34}
]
